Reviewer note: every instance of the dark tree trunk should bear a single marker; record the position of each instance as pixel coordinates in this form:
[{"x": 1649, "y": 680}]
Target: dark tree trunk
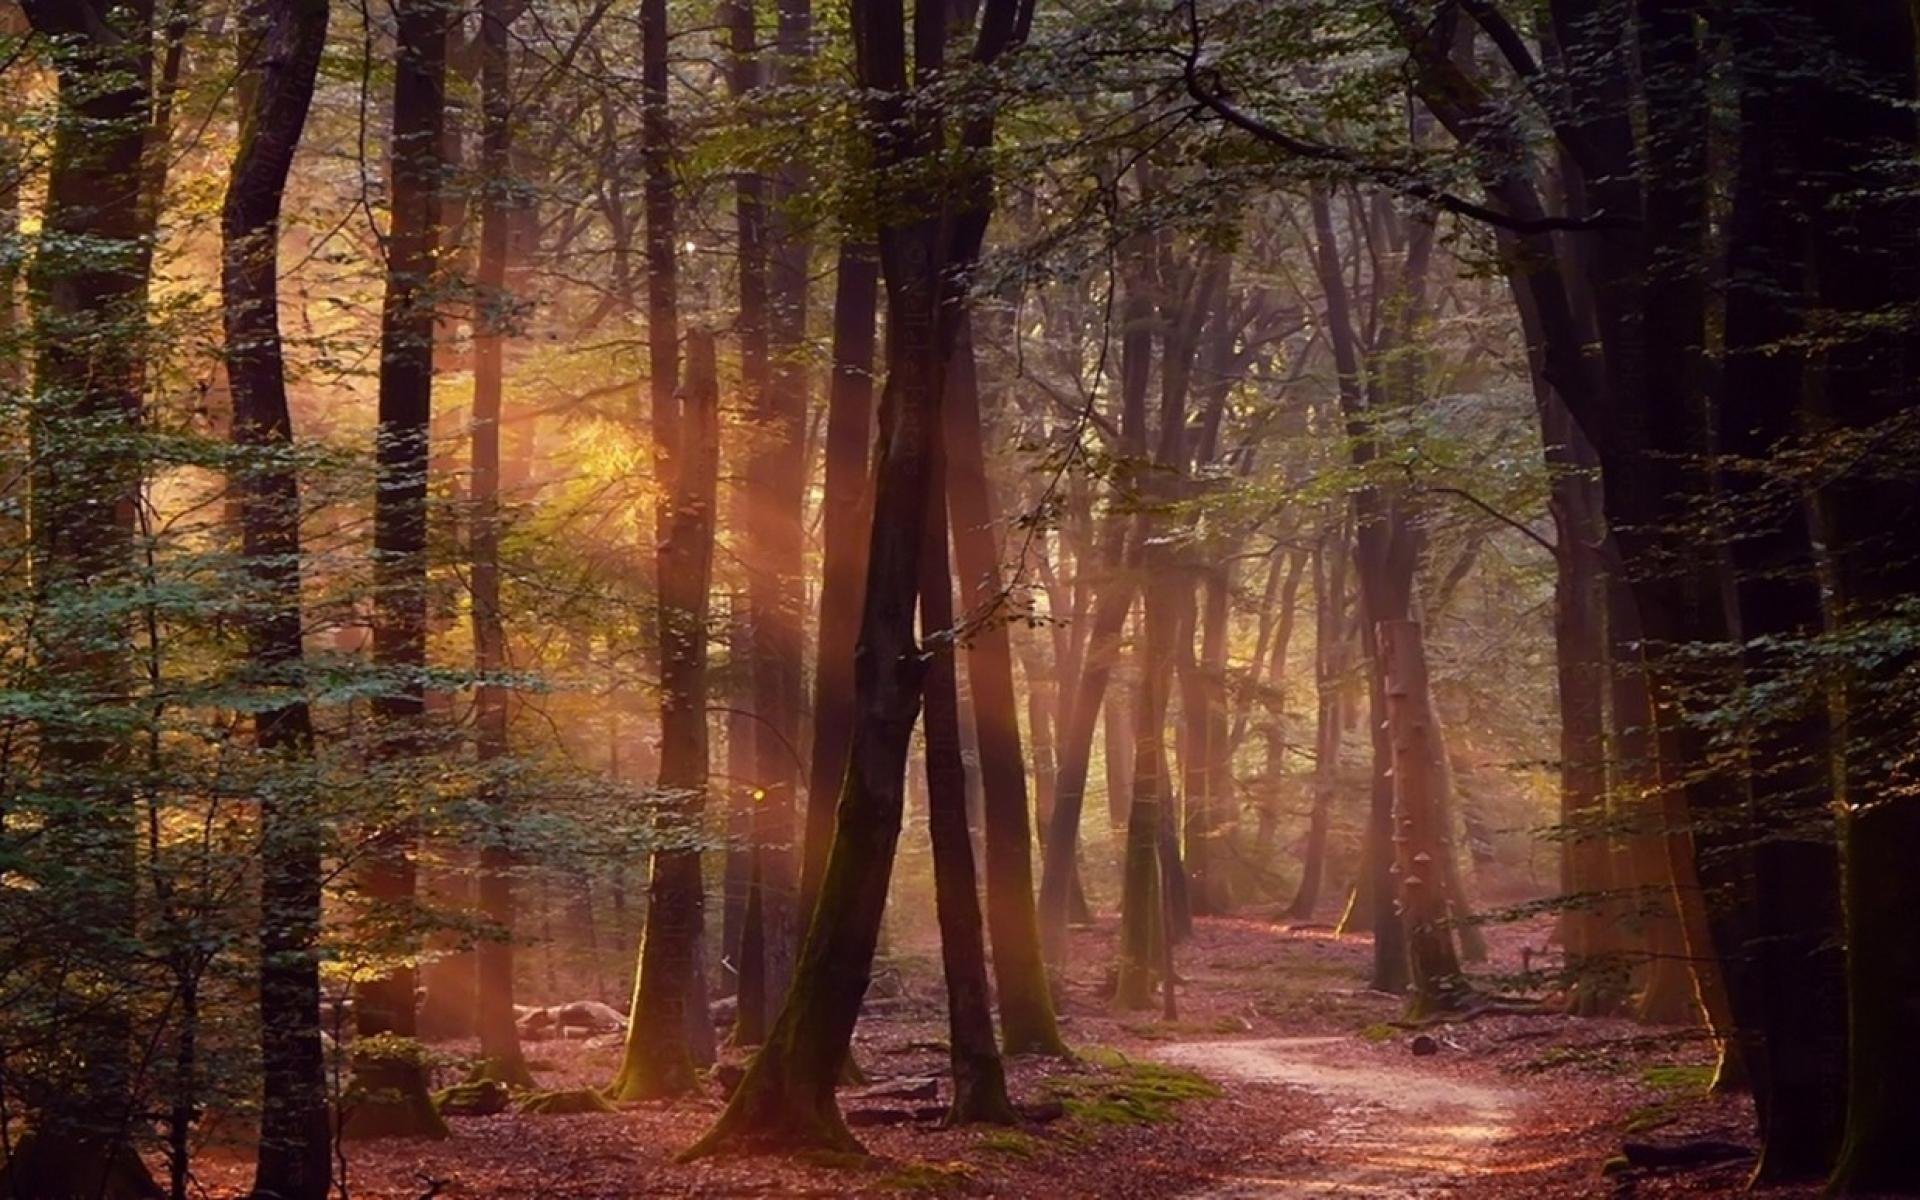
[
  {"x": 1596, "y": 983},
  {"x": 1026, "y": 1006},
  {"x": 1799, "y": 1068},
  {"x": 843, "y": 566},
  {"x": 660, "y": 1054},
  {"x": 744, "y": 78},
  {"x": 979, "y": 1079},
  {"x": 89, "y": 323},
  {"x": 393, "y": 1097},
  {"x": 281, "y": 44},
  {"x": 494, "y": 956},
  {"x": 1861, "y": 135}
]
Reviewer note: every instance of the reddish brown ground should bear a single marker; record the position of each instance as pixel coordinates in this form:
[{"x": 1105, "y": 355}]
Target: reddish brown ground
[{"x": 1320, "y": 1096}]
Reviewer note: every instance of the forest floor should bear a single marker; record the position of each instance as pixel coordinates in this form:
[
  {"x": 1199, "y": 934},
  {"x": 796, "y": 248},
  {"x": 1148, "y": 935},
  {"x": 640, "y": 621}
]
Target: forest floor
[{"x": 1282, "y": 1076}]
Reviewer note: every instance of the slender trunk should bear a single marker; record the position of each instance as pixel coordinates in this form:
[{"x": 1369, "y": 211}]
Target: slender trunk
[
  {"x": 393, "y": 1097},
  {"x": 660, "y": 1057},
  {"x": 1026, "y": 1005},
  {"x": 1330, "y": 650},
  {"x": 1112, "y": 599},
  {"x": 979, "y": 1079},
  {"x": 776, "y": 546},
  {"x": 843, "y": 566},
  {"x": 281, "y": 46},
  {"x": 493, "y": 1008}
]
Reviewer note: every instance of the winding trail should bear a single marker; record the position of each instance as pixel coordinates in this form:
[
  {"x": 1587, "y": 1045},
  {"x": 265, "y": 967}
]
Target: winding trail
[{"x": 1398, "y": 1131}]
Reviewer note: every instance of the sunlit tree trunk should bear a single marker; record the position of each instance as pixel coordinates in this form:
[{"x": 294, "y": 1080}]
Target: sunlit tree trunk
[
  {"x": 660, "y": 1054},
  {"x": 1112, "y": 599},
  {"x": 494, "y": 956},
  {"x": 1026, "y": 1006},
  {"x": 1437, "y": 982},
  {"x": 280, "y": 48}
]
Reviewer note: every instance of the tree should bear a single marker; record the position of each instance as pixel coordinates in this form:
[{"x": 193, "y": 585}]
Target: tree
[
  {"x": 281, "y": 44},
  {"x": 390, "y": 1079},
  {"x": 1026, "y": 1006},
  {"x": 659, "y": 1054},
  {"x": 494, "y": 958},
  {"x": 87, "y": 287},
  {"x": 979, "y": 1079}
]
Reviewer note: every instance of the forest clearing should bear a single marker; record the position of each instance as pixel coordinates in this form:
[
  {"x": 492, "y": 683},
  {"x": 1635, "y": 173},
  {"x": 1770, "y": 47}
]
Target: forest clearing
[{"x": 1028, "y": 598}]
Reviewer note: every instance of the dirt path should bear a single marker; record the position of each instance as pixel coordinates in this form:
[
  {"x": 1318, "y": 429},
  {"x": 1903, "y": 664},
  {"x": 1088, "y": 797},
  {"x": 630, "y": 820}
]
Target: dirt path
[{"x": 1398, "y": 1129}]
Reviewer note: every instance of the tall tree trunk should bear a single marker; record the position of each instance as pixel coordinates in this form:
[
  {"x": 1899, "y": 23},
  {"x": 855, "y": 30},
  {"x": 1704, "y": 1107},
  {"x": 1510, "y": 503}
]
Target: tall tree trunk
[
  {"x": 843, "y": 566},
  {"x": 776, "y": 546},
  {"x": 979, "y": 1078},
  {"x": 1438, "y": 985},
  {"x": 280, "y": 47},
  {"x": 1026, "y": 1005},
  {"x": 494, "y": 956},
  {"x": 1330, "y": 638},
  {"x": 744, "y": 79},
  {"x": 393, "y": 1100},
  {"x": 1861, "y": 134},
  {"x": 1113, "y": 597},
  {"x": 660, "y": 1055},
  {"x": 89, "y": 326},
  {"x": 1799, "y": 1070},
  {"x": 1596, "y": 983}
]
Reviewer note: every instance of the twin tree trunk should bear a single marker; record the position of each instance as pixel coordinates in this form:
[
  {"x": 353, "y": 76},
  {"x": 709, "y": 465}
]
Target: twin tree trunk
[
  {"x": 280, "y": 48},
  {"x": 391, "y": 1081},
  {"x": 787, "y": 1096}
]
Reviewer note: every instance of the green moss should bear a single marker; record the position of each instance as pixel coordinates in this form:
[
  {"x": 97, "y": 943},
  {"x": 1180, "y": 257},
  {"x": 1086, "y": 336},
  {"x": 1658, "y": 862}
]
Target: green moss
[
  {"x": 1012, "y": 1143},
  {"x": 1127, "y": 1092},
  {"x": 1677, "y": 1077},
  {"x": 927, "y": 1178},
  {"x": 474, "y": 1098},
  {"x": 1377, "y": 1032},
  {"x": 565, "y": 1104}
]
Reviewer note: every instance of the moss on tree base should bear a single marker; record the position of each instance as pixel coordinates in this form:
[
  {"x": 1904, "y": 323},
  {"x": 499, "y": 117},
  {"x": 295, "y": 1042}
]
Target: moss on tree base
[{"x": 389, "y": 1099}]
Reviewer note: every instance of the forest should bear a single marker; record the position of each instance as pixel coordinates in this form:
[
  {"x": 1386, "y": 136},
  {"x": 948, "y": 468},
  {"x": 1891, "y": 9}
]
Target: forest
[{"x": 1021, "y": 598}]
